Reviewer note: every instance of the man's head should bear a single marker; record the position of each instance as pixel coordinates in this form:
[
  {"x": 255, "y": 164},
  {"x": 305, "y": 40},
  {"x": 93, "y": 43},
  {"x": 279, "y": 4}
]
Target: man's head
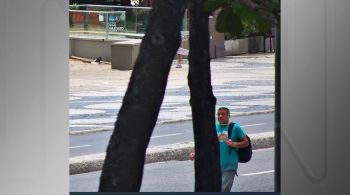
[{"x": 223, "y": 115}]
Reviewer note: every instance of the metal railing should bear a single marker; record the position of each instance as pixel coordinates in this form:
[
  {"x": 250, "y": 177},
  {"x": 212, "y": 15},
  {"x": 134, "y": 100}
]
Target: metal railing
[{"x": 109, "y": 22}]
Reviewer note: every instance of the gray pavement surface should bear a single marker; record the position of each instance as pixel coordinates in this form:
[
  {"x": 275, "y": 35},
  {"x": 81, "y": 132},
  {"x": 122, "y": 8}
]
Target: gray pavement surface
[
  {"x": 177, "y": 151},
  {"x": 245, "y": 84},
  {"x": 167, "y": 133},
  {"x": 178, "y": 176}
]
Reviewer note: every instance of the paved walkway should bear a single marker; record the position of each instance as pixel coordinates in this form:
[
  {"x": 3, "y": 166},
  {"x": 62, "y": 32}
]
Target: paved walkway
[{"x": 244, "y": 83}]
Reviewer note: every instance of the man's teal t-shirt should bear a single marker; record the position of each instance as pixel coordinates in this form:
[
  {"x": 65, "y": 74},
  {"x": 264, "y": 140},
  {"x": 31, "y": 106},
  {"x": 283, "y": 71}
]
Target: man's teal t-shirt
[{"x": 228, "y": 160}]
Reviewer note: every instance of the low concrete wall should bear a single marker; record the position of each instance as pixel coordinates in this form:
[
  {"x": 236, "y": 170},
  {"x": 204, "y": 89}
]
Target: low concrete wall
[
  {"x": 124, "y": 54},
  {"x": 256, "y": 44},
  {"x": 236, "y": 47},
  {"x": 248, "y": 45},
  {"x": 91, "y": 48},
  {"x": 273, "y": 44}
]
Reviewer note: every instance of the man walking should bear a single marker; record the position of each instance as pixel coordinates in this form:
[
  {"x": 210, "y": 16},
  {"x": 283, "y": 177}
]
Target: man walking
[
  {"x": 228, "y": 157},
  {"x": 228, "y": 145}
]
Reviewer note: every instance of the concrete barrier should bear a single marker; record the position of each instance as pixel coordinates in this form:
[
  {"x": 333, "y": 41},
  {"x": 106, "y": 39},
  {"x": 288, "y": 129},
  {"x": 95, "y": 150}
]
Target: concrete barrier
[
  {"x": 124, "y": 54},
  {"x": 256, "y": 44},
  {"x": 179, "y": 151},
  {"x": 236, "y": 47},
  {"x": 91, "y": 48}
]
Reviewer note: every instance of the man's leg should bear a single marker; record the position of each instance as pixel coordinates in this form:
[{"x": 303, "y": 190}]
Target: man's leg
[{"x": 227, "y": 180}]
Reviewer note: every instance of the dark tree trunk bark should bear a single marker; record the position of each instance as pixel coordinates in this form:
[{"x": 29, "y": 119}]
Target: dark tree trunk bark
[
  {"x": 207, "y": 162},
  {"x": 123, "y": 166}
]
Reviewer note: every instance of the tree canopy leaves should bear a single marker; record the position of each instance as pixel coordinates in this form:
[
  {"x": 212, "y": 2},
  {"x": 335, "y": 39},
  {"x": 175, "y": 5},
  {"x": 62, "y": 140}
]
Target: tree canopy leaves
[{"x": 241, "y": 17}]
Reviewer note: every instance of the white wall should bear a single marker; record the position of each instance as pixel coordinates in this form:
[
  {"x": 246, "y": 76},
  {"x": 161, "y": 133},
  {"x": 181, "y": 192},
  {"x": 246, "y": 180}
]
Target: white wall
[
  {"x": 315, "y": 97},
  {"x": 34, "y": 97}
]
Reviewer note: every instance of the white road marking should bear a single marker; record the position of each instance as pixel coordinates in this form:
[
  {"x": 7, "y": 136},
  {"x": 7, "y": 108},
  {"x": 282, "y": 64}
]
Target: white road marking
[
  {"x": 85, "y": 112},
  {"x": 258, "y": 124},
  {"x": 263, "y": 149},
  {"x": 82, "y": 146},
  {"x": 166, "y": 135},
  {"x": 92, "y": 121},
  {"x": 99, "y": 126},
  {"x": 258, "y": 173}
]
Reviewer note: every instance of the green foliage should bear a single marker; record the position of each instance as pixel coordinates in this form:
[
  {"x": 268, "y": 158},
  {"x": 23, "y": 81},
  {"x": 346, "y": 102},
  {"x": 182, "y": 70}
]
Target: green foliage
[
  {"x": 229, "y": 21},
  {"x": 239, "y": 18},
  {"x": 263, "y": 25}
]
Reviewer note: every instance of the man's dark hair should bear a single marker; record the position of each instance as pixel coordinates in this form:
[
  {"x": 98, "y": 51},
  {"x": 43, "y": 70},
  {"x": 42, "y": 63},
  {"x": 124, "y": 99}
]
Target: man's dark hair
[{"x": 227, "y": 110}]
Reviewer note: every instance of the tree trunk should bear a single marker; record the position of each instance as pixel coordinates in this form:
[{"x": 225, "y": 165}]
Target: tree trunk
[
  {"x": 123, "y": 166},
  {"x": 207, "y": 162}
]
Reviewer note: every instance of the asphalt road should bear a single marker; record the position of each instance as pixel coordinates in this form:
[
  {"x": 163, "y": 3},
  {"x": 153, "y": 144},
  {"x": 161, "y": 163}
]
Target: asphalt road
[
  {"x": 178, "y": 176},
  {"x": 168, "y": 133}
]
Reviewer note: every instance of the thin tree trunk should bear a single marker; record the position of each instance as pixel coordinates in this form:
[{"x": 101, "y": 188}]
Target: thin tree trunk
[
  {"x": 207, "y": 162},
  {"x": 123, "y": 166}
]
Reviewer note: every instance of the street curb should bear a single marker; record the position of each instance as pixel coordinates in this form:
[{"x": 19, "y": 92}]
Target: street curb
[
  {"x": 167, "y": 122},
  {"x": 179, "y": 151}
]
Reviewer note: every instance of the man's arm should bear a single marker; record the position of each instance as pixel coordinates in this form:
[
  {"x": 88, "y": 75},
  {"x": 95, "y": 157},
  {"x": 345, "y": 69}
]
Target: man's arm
[
  {"x": 191, "y": 156},
  {"x": 242, "y": 144}
]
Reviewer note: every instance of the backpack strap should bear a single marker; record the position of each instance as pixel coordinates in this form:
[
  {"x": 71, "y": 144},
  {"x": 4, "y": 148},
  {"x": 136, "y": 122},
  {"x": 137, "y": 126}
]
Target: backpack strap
[{"x": 229, "y": 130}]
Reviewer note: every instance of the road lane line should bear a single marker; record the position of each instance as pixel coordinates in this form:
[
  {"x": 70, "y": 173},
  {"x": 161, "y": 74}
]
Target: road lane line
[
  {"x": 258, "y": 173},
  {"x": 100, "y": 126},
  {"x": 263, "y": 149},
  {"x": 258, "y": 124},
  {"x": 82, "y": 146},
  {"x": 166, "y": 135}
]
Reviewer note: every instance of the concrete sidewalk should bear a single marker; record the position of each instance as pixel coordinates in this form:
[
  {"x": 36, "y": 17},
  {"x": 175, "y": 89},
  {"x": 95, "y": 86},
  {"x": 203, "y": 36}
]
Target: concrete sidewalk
[
  {"x": 179, "y": 151},
  {"x": 243, "y": 83}
]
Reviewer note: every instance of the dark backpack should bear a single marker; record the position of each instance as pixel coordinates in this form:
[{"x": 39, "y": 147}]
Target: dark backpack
[{"x": 244, "y": 154}]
